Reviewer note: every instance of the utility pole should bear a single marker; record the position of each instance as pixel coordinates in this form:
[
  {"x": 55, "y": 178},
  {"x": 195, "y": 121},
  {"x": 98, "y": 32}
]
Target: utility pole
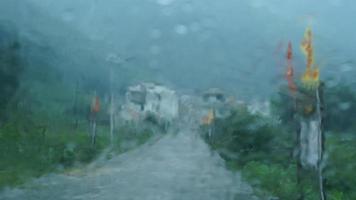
[
  {"x": 95, "y": 108},
  {"x": 112, "y": 106},
  {"x": 320, "y": 146},
  {"x": 75, "y": 106},
  {"x": 113, "y": 60}
]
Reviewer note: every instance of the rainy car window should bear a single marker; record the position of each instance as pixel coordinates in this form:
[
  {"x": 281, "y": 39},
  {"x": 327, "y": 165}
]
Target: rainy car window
[{"x": 177, "y": 100}]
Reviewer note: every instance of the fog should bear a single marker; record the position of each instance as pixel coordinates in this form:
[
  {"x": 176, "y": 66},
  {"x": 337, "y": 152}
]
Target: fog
[
  {"x": 188, "y": 44},
  {"x": 105, "y": 97}
]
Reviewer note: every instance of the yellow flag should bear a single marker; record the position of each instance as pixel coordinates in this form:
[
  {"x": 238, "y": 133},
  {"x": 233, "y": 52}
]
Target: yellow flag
[
  {"x": 310, "y": 78},
  {"x": 207, "y": 120}
]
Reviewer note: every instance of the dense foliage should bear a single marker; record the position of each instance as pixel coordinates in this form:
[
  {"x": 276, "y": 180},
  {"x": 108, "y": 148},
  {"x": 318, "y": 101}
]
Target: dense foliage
[
  {"x": 340, "y": 106},
  {"x": 249, "y": 137},
  {"x": 44, "y": 118},
  {"x": 28, "y": 150},
  {"x": 11, "y": 67},
  {"x": 263, "y": 150}
]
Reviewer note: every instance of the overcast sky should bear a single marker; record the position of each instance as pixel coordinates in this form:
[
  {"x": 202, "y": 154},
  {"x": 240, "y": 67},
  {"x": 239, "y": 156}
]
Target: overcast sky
[{"x": 233, "y": 44}]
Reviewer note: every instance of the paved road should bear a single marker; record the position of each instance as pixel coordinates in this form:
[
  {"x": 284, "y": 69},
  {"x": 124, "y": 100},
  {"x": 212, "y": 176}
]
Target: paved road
[{"x": 176, "y": 167}]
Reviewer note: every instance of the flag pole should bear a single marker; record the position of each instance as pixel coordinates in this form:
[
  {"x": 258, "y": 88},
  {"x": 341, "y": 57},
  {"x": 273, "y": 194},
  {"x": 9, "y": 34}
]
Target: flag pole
[{"x": 320, "y": 147}]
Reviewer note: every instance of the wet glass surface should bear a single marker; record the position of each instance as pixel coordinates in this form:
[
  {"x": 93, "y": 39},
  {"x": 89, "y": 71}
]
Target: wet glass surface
[{"x": 177, "y": 99}]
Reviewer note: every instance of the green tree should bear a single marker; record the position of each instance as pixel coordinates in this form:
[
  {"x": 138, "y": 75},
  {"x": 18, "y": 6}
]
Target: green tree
[
  {"x": 11, "y": 67},
  {"x": 340, "y": 106}
]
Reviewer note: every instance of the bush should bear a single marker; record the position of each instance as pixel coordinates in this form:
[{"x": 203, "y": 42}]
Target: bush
[
  {"x": 341, "y": 166},
  {"x": 27, "y": 151},
  {"x": 340, "y": 106},
  {"x": 249, "y": 137},
  {"x": 276, "y": 179},
  {"x": 86, "y": 154},
  {"x": 262, "y": 150}
]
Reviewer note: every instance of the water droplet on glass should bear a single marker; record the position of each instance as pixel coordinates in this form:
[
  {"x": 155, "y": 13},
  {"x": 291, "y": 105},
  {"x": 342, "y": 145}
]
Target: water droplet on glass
[
  {"x": 153, "y": 64},
  {"x": 195, "y": 27},
  {"x": 257, "y": 3},
  {"x": 67, "y": 16},
  {"x": 155, "y": 34},
  {"x": 114, "y": 58},
  {"x": 187, "y": 8},
  {"x": 181, "y": 29},
  {"x": 335, "y": 2},
  {"x": 155, "y": 49},
  {"x": 346, "y": 67},
  {"x": 165, "y": 2},
  {"x": 344, "y": 105}
]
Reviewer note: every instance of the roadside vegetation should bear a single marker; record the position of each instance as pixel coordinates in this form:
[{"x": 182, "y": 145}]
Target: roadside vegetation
[
  {"x": 263, "y": 148},
  {"x": 45, "y": 119},
  {"x": 44, "y": 138},
  {"x": 29, "y": 150}
]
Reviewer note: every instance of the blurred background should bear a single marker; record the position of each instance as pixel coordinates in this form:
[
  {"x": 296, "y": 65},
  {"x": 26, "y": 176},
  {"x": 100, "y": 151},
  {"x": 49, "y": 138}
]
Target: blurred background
[{"x": 72, "y": 72}]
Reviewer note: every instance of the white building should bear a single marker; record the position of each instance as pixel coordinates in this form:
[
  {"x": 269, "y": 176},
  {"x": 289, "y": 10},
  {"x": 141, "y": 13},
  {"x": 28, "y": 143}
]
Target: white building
[{"x": 150, "y": 99}]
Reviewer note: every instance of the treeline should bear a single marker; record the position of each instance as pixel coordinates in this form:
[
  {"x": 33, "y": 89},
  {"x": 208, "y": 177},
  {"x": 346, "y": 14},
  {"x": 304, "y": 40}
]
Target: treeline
[
  {"x": 11, "y": 68},
  {"x": 45, "y": 115}
]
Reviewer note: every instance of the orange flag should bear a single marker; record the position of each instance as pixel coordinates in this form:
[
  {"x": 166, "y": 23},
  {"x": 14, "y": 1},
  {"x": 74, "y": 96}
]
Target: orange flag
[
  {"x": 207, "y": 120},
  {"x": 290, "y": 71},
  {"x": 95, "y": 106}
]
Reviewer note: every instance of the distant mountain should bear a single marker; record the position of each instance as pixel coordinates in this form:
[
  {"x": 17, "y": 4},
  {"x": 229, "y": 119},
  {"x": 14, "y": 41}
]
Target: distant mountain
[
  {"x": 238, "y": 46},
  {"x": 48, "y": 42}
]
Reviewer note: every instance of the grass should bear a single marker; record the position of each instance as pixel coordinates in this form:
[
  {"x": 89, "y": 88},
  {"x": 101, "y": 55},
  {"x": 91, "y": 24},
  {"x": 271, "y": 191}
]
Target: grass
[
  {"x": 29, "y": 150},
  {"x": 262, "y": 151},
  {"x": 39, "y": 133}
]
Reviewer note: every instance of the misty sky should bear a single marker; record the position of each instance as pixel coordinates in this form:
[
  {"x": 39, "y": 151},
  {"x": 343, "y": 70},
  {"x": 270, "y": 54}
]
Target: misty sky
[{"x": 237, "y": 45}]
